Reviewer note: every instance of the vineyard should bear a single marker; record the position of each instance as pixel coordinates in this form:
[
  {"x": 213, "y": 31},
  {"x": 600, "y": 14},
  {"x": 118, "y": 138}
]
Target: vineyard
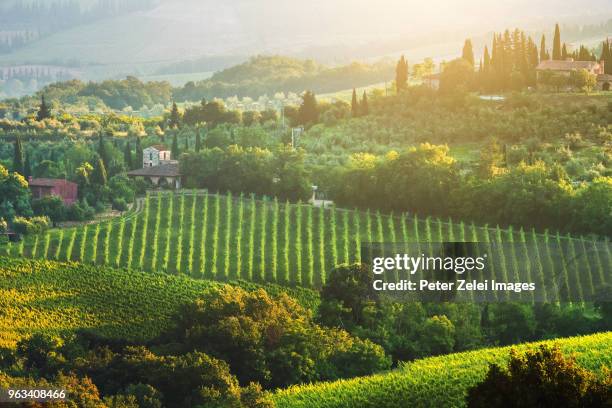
[
  {"x": 54, "y": 297},
  {"x": 438, "y": 381},
  {"x": 221, "y": 237}
]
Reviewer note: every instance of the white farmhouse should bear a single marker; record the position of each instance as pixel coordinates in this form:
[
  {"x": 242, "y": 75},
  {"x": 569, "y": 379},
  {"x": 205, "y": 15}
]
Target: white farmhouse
[{"x": 155, "y": 155}]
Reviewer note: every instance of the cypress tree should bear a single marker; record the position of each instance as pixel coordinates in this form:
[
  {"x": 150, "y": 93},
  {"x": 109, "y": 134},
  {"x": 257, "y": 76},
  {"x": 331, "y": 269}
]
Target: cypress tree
[
  {"x": 354, "y": 105},
  {"x": 175, "y": 148},
  {"x": 27, "y": 167},
  {"x": 98, "y": 175},
  {"x": 103, "y": 150},
  {"x": 556, "y": 54},
  {"x": 309, "y": 110},
  {"x": 43, "y": 110},
  {"x": 18, "y": 156},
  {"x": 487, "y": 60},
  {"x": 468, "y": 52},
  {"x": 401, "y": 75},
  {"x": 175, "y": 117},
  {"x": 198, "y": 141},
  {"x": 364, "y": 107},
  {"x": 137, "y": 162},
  {"x": 606, "y": 56},
  {"x": 543, "y": 53},
  {"x": 564, "y": 54},
  {"x": 186, "y": 143},
  {"x": 127, "y": 156}
]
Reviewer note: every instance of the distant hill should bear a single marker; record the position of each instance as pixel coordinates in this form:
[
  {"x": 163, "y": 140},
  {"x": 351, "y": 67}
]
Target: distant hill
[{"x": 270, "y": 74}]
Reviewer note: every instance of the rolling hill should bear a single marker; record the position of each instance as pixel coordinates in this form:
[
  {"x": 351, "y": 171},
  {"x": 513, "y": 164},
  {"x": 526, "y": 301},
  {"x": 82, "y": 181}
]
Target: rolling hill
[
  {"x": 437, "y": 381},
  {"x": 59, "y": 298}
]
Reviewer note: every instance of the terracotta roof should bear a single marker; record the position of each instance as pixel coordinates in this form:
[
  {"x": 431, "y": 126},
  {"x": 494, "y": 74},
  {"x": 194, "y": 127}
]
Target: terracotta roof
[
  {"x": 160, "y": 147},
  {"x": 164, "y": 170},
  {"x": 46, "y": 182},
  {"x": 558, "y": 65}
]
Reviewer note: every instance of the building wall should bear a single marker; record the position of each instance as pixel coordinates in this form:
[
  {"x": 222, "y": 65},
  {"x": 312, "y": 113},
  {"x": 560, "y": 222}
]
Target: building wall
[{"x": 151, "y": 157}]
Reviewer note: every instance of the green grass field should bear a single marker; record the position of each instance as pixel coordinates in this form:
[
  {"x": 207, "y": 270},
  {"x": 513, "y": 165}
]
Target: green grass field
[
  {"x": 58, "y": 298},
  {"x": 219, "y": 237},
  {"x": 437, "y": 381}
]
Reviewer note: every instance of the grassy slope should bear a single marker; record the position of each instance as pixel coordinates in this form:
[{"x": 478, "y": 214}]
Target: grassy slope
[
  {"x": 437, "y": 381},
  {"x": 254, "y": 242},
  {"x": 62, "y": 297}
]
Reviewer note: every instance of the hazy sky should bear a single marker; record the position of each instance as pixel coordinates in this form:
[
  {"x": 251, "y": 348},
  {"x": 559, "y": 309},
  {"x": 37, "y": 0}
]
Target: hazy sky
[{"x": 176, "y": 30}]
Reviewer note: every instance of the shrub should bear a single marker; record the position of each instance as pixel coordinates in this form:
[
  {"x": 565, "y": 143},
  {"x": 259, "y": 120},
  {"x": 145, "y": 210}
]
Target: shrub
[
  {"x": 119, "y": 204},
  {"x": 540, "y": 378},
  {"x": 80, "y": 211},
  {"x": 34, "y": 225}
]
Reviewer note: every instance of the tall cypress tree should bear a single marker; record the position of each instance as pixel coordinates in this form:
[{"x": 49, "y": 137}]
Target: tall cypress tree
[
  {"x": 175, "y": 117},
  {"x": 606, "y": 56},
  {"x": 354, "y": 105},
  {"x": 138, "y": 161},
  {"x": 198, "y": 141},
  {"x": 43, "y": 111},
  {"x": 401, "y": 75},
  {"x": 364, "y": 108},
  {"x": 103, "y": 150},
  {"x": 486, "y": 64},
  {"x": 468, "y": 52},
  {"x": 556, "y": 54},
  {"x": 127, "y": 156},
  {"x": 564, "y": 53},
  {"x": 175, "y": 147},
  {"x": 98, "y": 175},
  {"x": 543, "y": 52},
  {"x": 27, "y": 167},
  {"x": 18, "y": 156}
]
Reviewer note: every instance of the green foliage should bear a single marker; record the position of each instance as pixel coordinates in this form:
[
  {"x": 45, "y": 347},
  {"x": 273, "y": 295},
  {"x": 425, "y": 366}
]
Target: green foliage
[
  {"x": 272, "y": 341},
  {"x": 30, "y": 226}
]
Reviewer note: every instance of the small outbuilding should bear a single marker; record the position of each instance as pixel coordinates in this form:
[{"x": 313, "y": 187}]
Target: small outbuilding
[{"x": 64, "y": 189}]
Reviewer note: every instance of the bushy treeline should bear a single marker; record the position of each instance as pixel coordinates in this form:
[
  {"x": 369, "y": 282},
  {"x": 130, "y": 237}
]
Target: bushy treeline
[
  {"x": 221, "y": 349},
  {"x": 427, "y": 180},
  {"x": 116, "y": 94},
  {"x": 279, "y": 172},
  {"x": 412, "y": 330}
]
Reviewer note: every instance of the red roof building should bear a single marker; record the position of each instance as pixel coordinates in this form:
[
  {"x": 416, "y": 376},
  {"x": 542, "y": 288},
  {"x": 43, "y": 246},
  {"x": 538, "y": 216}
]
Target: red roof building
[{"x": 64, "y": 189}]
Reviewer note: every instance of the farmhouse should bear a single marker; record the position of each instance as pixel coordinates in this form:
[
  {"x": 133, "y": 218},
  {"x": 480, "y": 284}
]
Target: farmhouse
[
  {"x": 158, "y": 167},
  {"x": 432, "y": 80},
  {"x": 43, "y": 187},
  {"x": 155, "y": 155},
  {"x": 566, "y": 67}
]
